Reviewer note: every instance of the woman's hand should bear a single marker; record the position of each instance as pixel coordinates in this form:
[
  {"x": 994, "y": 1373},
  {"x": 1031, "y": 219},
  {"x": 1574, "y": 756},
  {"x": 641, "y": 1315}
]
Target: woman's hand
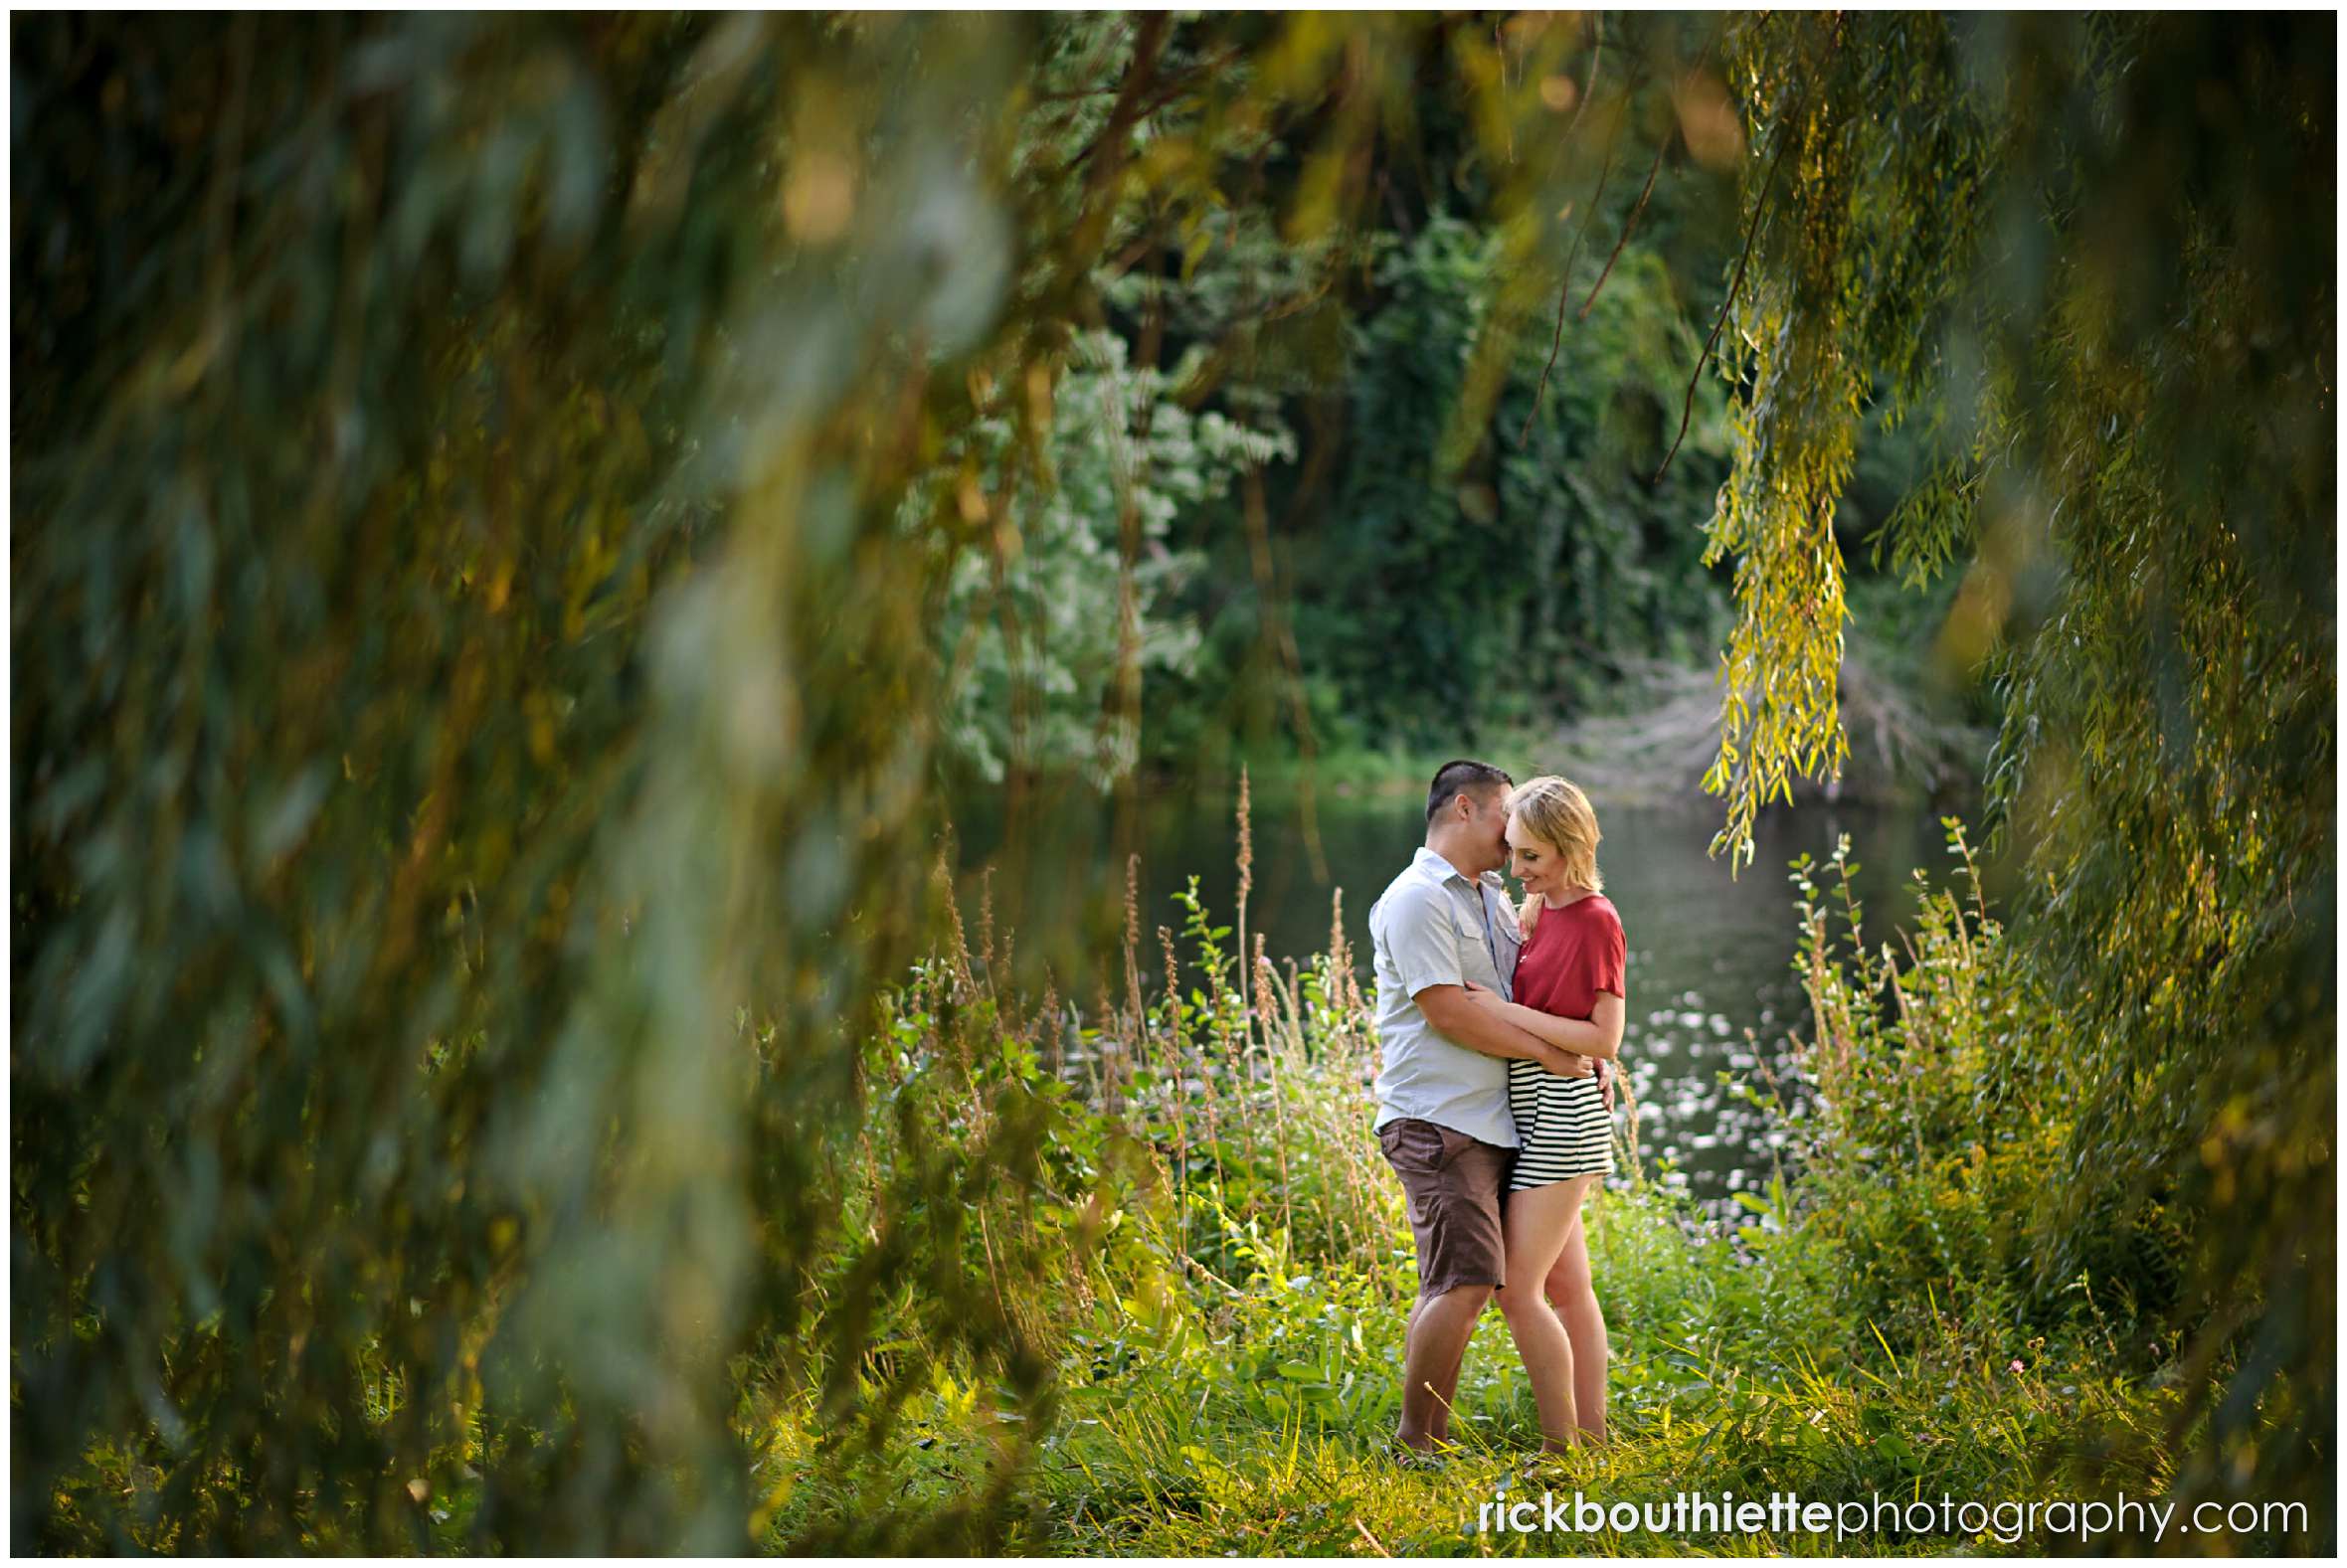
[{"x": 1484, "y": 996}]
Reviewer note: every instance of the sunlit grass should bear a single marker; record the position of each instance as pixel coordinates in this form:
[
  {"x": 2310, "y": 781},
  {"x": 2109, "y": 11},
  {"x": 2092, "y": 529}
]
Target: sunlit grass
[
  {"x": 1261, "y": 1422},
  {"x": 1215, "y": 1266},
  {"x": 1229, "y": 1342}
]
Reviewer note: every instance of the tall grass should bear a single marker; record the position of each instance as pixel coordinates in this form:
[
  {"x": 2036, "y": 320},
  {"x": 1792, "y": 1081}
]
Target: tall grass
[{"x": 1215, "y": 1268}]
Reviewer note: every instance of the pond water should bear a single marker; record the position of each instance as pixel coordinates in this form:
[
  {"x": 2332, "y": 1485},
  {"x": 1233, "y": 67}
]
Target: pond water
[{"x": 1711, "y": 990}]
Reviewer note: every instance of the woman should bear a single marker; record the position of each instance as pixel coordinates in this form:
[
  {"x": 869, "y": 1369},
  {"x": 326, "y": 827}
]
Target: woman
[{"x": 1569, "y": 988}]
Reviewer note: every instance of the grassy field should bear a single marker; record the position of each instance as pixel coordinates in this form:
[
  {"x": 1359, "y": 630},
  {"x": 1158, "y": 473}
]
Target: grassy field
[
  {"x": 1130, "y": 1280},
  {"x": 1213, "y": 1268}
]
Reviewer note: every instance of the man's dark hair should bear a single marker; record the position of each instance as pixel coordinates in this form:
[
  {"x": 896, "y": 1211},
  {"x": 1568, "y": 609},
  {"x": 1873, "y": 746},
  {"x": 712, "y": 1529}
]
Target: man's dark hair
[{"x": 1459, "y": 778}]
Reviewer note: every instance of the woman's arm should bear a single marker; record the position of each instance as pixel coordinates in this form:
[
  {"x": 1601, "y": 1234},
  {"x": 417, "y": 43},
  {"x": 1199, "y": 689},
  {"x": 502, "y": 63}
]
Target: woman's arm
[
  {"x": 1599, "y": 1036},
  {"x": 1461, "y": 1022}
]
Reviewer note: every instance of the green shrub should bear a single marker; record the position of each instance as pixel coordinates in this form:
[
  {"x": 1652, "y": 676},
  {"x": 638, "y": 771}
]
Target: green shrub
[{"x": 1935, "y": 1120}]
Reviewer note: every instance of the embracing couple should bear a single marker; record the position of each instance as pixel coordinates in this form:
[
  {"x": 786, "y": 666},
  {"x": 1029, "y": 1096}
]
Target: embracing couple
[{"x": 1494, "y": 1101}]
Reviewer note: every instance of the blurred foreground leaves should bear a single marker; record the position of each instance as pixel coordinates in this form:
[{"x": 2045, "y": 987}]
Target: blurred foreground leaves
[
  {"x": 464, "y": 673},
  {"x": 475, "y": 704}
]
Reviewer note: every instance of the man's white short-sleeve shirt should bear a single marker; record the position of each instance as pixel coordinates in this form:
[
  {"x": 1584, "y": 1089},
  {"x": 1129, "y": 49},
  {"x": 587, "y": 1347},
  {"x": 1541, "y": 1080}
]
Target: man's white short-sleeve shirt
[{"x": 1435, "y": 927}]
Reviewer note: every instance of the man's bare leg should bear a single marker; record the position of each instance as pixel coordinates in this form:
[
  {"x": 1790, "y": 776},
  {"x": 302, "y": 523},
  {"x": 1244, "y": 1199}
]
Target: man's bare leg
[
  {"x": 1436, "y": 1347},
  {"x": 1439, "y": 1425},
  {"x": 1447, "y": 1383}
]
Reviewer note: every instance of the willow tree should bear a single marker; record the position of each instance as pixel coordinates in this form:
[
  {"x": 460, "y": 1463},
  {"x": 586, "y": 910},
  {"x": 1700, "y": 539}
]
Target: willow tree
[
  {"x": 442, "y": 491},
  {"x": 2098, "y": 257},
  {"x": 476, "y": 701}
]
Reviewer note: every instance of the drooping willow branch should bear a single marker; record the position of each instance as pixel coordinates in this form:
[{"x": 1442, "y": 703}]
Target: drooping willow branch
[
  {"x": 1565, "y": 286},
  {"x": 1629, "y": 228},
  {"x": 1735, "y": 286}
]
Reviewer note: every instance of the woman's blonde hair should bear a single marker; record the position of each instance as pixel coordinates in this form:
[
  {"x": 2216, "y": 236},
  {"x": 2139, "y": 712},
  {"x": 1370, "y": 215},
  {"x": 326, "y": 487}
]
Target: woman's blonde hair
[{"x": 1555, "y": 812}]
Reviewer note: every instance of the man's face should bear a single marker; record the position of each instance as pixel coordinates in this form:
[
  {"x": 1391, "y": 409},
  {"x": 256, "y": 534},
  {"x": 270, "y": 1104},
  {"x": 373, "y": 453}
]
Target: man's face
[{"x": 1487, "y": 829}]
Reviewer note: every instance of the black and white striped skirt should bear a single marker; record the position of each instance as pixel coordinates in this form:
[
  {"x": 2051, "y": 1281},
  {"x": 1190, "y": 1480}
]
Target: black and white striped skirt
[{"x": 1562, "y": 1128}]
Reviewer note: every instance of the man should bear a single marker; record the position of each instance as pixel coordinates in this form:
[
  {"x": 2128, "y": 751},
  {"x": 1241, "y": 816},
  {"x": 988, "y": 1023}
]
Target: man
[{"x": 1442, "y": 1089}]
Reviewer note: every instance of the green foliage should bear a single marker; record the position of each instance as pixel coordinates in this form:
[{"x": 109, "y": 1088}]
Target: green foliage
[
  {"x": 1411, "y": 347},
  {"x": 2122, "y": 313},
  {"x": 1468, "y": 578},
  {"x": 460, "y": 681},
  {"x": 1836, "y": 291},
  {"x": 1077, "y": 563},
  {"x": 1935, "y": 1112}
]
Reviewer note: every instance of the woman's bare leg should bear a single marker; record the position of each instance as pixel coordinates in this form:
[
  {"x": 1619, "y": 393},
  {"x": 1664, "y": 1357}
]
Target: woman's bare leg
[
  {"x": 1536, "y": 1222},
  {"x": 1573, "y": 1293}
]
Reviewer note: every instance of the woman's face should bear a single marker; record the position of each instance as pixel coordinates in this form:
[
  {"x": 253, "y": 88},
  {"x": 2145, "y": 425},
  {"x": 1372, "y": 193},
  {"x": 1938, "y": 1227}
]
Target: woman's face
[{"x": 1534, "y": 860}]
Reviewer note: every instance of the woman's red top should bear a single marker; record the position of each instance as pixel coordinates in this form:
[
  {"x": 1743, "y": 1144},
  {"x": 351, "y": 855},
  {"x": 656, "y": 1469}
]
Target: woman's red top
[{"x": 1569, "y": 955}]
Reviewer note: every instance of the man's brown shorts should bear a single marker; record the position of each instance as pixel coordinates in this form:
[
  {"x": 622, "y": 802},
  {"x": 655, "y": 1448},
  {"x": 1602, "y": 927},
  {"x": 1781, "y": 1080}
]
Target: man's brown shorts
[{"x": 1453, "y": 1182}]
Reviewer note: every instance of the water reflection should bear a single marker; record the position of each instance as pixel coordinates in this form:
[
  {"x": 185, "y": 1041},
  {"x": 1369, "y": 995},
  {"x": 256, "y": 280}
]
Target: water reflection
[{"x": 1713, "y": 993}]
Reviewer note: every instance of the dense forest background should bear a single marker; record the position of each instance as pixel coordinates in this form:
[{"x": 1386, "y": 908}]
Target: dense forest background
[
  {"x": 1475, "y": 529},
  {"x": 522, "y": 530}
]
